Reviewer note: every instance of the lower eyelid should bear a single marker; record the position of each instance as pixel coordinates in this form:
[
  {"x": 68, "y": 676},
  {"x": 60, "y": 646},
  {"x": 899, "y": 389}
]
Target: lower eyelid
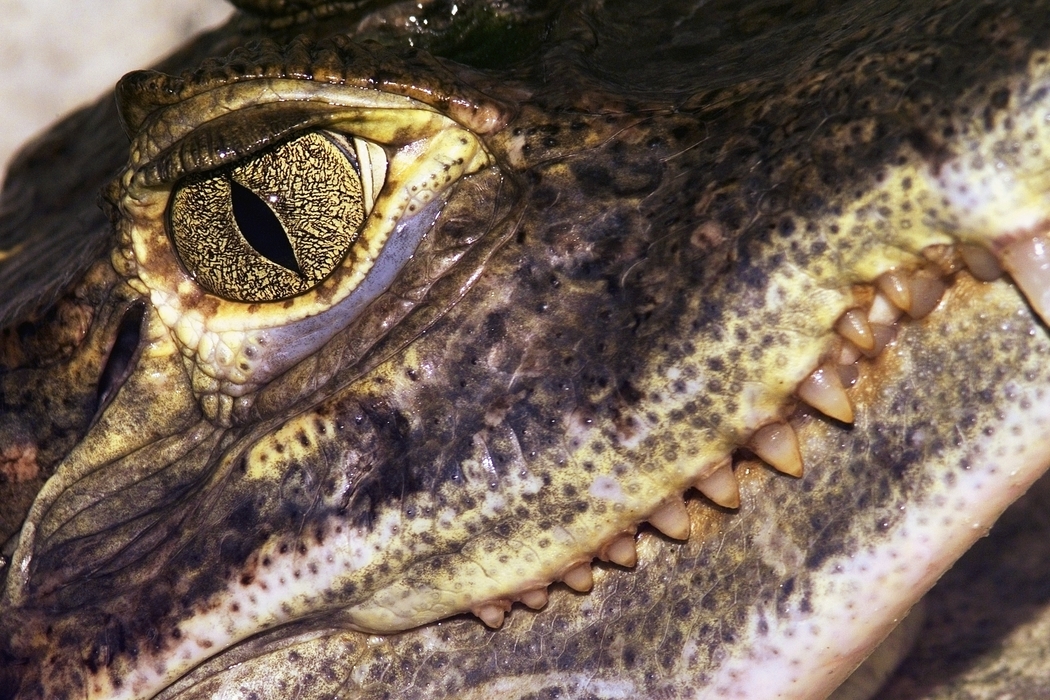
[{"x": 299, "y": 339}]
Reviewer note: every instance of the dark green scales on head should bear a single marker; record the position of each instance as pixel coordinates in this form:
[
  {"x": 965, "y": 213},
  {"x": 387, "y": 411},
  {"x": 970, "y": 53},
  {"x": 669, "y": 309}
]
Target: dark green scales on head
[{"x": 395, "y": 319}]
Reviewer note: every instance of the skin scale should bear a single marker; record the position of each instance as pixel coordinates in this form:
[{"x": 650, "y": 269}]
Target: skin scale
[{"x": 653, "y": 214}]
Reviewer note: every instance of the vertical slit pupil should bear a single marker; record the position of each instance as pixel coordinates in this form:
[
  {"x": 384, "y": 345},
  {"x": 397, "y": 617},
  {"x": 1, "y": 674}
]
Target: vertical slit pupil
[{"x": 260, "y": 227}]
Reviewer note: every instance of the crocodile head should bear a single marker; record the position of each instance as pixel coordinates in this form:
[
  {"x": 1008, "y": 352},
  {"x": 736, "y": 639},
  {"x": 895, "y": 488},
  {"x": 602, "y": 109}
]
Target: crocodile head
[{"x": 462, "y": 349}]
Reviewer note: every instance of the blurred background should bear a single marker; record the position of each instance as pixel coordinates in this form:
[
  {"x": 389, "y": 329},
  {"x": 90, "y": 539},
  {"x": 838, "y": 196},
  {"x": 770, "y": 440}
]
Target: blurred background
[{"x": 56, "y": 55}]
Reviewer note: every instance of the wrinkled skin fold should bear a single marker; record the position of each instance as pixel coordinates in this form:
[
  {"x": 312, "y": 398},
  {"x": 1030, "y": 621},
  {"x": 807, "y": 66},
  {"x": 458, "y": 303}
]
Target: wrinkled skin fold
[{"x": 606, "y": 246}]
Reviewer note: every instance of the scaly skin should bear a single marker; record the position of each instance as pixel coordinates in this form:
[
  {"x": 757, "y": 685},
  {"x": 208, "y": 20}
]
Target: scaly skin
[{"x": 604, "y": 275}]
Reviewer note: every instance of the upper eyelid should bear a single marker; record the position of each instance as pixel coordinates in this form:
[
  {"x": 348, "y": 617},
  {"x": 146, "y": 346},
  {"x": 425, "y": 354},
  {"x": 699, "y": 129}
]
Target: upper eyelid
[
  {"x": 247, "y": 118},
  {"x": 335, "y": 62}
]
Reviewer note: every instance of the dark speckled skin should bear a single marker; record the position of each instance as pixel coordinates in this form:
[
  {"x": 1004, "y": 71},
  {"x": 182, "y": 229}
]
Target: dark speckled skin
[{"x": 680, "y": 202}]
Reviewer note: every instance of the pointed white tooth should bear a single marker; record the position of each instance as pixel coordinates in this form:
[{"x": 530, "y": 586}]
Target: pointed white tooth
[
  {"x": 853, "y": 325},
  {"x": 884, "y": 335},
  {"x": 535, "y": 599},
  {"x": 579, "y": 578},
  {"x": 622, "y": 551},
  {"x": 980, "y": 262},
  {"x": 823, "y": 391},
  {"x": 894, "y": 284},
  {"x": 1028, "y": 262},
  {"x": 883, "y": 312},
  {"x": 850, "y": 353},
  {"x": 672, "y": 519},
  {"x": 492, "y": 613},
  {"x": 721, "y": 486},
  {"x": 926, "y": 292},
  {"x": 777, "y": 445}
]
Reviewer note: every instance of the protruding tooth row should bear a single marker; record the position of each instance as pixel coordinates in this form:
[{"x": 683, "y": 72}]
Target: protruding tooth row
[
  {"x": 823, "y": 391},
  {"x": 1028, "y": 262},
  {"x": 865, "y": 333},
  {"x": 579, "y": 578},
  {"x": 721, "y": 485},
  {"x": 916, "y": 294},
  {"x": 621, "y": 550},
  {"x": 672, "y": 519},
  {"x": 777, "y": 445}
]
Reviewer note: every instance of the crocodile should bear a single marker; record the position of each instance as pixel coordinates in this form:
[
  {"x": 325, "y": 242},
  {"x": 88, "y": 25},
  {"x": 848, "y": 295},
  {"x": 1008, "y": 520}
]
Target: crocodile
[{"x": 537, "y": 349}]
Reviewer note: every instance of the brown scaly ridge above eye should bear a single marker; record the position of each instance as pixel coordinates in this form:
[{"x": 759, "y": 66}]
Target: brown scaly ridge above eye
[{"x": 337, "y": 61}]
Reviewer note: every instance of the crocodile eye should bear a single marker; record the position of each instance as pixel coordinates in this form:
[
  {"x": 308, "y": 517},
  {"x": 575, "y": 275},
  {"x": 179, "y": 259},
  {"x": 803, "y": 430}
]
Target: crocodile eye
[{"x": 277, "y": 224}]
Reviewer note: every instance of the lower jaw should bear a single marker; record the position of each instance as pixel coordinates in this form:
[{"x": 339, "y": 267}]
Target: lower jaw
[{"x": 785, "y": 595}]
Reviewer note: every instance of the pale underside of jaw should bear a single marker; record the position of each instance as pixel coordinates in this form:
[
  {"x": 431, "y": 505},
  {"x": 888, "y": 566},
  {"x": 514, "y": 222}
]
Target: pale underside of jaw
[
  {"x": 792, "y": 651},
  {"x": 806, "y": 651}
]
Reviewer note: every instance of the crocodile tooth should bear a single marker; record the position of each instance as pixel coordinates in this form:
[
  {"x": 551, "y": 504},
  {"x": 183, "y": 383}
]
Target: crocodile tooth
[
  {"x": 777, "y": 445},
  {"x": 926, "y": 292},
  {"x": 853, "y": 326},
  {"x": 883, "y": 335},
  {"x": 894, "y": 284},
  {"x": 492, "y": 613},
  {"x": 579, "y": 578},
  {"x": 1028, "y": 262},
  {"x": 883, "y": 312},
  {"x": 671, "y": 519},
  {"x": 980, "y": 262},
  {"x": 721, "y": 486},
  {"x": 622, "y": 551},
  {"x": 823, "y": 391},
  {"x": 535, "y": 599},
  {"x": 848, "y": 374},
  {"x": 850, "y": 353}
]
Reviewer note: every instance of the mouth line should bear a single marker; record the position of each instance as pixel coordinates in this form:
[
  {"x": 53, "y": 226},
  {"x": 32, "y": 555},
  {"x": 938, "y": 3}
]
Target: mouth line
[
  {"x": 793, "y": 619},
  {"x": 864, "y": 331},
  {"x": 883, "y": 308}
]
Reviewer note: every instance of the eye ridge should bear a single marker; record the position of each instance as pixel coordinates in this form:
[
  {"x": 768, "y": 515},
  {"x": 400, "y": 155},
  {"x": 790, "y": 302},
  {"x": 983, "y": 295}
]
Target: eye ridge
[{"x": 261, "y": 228}]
